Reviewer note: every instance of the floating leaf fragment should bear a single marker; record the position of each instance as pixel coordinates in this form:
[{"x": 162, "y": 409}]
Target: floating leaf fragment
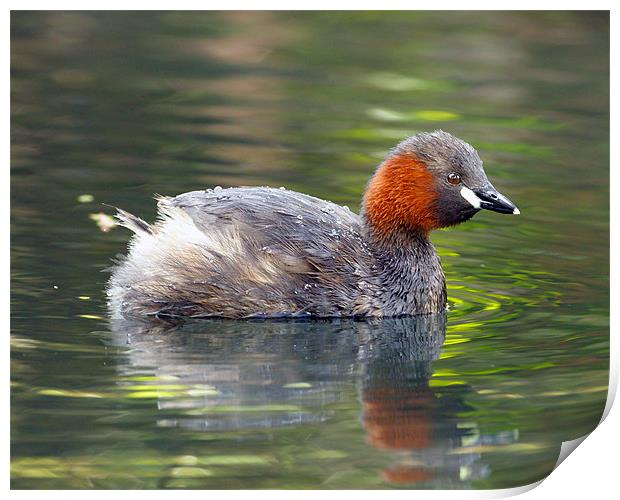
[
  {"x": 298, "y": 385},
  {"x": 86, "y": 198},
  {"x": 104, "y": 221}
]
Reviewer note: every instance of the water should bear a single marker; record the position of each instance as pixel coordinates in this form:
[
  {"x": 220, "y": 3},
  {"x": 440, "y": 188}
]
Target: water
[{"x": 114, "y": 107}]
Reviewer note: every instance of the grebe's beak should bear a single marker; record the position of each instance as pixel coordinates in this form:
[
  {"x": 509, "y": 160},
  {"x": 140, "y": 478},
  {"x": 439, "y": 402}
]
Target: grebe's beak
[{"x": 491, "y": 199}]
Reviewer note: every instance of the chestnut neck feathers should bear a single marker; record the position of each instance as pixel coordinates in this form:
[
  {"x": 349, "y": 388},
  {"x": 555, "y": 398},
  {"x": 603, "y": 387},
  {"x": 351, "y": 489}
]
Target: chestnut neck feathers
[
  {"x": 398, "y": 212},
  {"x": 400, "y": 197}
]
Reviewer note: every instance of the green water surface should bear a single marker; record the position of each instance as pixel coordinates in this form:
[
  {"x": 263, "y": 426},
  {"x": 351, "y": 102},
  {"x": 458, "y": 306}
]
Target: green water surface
[{"x": 114, "y": 107}]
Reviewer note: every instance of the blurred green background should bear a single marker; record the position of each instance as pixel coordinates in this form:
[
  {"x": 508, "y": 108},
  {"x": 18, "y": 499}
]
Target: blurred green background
[{"x": 114, "y": 107}]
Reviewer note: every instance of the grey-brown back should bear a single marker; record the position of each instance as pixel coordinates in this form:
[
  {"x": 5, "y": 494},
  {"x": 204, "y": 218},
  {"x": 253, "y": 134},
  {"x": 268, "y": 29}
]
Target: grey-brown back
[{"x": 246, "y": 252}]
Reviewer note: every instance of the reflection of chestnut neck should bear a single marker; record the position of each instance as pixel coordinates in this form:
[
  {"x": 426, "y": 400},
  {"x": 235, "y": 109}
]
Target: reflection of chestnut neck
[
  {"x": 398, "y": 404},
  {"x": 397, "y": 419},
  {"x": 400, "y": 416},
  {"x": 400, "y": 474}
]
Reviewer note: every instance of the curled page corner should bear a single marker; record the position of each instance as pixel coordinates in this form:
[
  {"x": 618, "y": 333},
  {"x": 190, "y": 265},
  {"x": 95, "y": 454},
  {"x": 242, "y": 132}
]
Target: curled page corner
[
  {"x": 518, "y": 490},
  {"x": 567, "y": 448}
]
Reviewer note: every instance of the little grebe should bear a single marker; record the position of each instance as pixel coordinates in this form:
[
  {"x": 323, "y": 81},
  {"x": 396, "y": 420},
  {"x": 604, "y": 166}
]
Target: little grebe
[{"x": 258, "y": 252}]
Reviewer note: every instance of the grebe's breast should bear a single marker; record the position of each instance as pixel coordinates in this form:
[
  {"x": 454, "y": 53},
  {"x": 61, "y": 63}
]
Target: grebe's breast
[{"x": 246, "y": 252}]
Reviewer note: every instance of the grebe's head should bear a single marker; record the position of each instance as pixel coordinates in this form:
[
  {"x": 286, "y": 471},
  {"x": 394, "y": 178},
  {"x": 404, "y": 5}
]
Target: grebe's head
[{"x": 429, "y": 181}]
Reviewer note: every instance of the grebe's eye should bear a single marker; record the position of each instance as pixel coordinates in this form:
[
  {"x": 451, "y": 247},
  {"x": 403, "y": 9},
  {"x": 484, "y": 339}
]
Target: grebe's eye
[{"x": 454, "y": 179}]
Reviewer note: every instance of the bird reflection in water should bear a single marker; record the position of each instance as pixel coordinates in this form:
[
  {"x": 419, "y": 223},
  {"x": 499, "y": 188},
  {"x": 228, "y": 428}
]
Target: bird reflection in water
[
  {"x": 268, "y": 375},
  {"x": 403, "y": 413}
]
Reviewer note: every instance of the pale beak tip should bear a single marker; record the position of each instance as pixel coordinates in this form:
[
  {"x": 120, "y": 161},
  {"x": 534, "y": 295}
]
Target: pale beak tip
[{"x": 516, "y": 211}]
